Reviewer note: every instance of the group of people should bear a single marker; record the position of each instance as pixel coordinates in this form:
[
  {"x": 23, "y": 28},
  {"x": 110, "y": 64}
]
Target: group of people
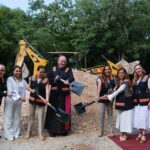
[
  {"x": 131, "y": 100},
  {"x": 49, "y": 87}
]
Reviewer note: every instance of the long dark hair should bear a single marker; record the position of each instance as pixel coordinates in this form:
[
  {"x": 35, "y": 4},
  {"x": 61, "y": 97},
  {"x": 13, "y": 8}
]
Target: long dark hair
[
  {"x": 126, "y": 78},
  {"x": 103, "y": 76}
]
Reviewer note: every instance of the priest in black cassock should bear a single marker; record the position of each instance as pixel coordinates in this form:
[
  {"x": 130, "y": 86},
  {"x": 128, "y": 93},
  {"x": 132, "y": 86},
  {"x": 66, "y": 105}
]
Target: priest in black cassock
[
  {"x": 59, "y": 97},
  {"x": 3, "y": 87}
]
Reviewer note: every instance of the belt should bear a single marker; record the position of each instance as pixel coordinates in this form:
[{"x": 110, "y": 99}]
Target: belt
[
  {"x": 53, "y": 88},
  {"x": 63, "y": 88},
  {"x": 142, "y": 100},
  {"x": 119, "y": 104}
]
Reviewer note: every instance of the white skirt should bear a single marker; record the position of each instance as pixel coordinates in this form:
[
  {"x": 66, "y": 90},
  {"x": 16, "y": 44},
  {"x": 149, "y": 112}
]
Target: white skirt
[
  {"x": 124, "y": 120},
  {"x": 149, "y": 118},
  {"x": 141, "y": 117}
]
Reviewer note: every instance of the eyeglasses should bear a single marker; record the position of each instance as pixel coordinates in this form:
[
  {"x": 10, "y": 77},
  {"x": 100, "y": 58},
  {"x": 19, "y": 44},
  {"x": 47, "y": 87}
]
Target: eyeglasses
[{"x": 2, "y": 70}]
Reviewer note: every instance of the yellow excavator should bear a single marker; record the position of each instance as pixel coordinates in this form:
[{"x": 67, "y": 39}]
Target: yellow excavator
[
  {"x": 114, "y": 67},
  {"x": 26, "y": 49},
  {"x": 99, "y": 69}
]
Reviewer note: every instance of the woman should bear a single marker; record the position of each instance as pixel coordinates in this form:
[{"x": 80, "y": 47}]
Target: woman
[
  {"x": 105, "y": 85},
  {"x": 37, "y": 84},
  {"x": 141, "y": 101},
  {"x": 16, "y": 89},
  {"x": 123, "y": 104}
]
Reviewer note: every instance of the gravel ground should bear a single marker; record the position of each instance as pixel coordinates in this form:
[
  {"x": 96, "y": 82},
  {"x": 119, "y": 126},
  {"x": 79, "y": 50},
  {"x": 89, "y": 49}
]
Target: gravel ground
[{"x": 86, "y": 141}]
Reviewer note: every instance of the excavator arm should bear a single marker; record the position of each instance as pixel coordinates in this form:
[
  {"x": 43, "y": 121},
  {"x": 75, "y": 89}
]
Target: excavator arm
[{"x": 26, "y": 49}]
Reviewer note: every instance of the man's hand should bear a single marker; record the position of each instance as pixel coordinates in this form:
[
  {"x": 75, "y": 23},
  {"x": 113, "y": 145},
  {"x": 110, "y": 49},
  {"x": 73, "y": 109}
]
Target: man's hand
[
  {"x": 66, "y": 82},
  {"x": 57, "y": 78}
]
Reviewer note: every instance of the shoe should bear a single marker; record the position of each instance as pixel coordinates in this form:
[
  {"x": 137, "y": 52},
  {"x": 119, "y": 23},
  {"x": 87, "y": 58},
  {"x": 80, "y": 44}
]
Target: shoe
[
  {"x": 143, "y": 139},
  {"x": 123, "y": 138},
  {"x": 41, "y": 137},
  {"x": 10, "y": 138},
  {"x": 111, "y": 134},
  {"x": 65, "y": 133},
  {"x": 28, "y": 135},
  {"x": 138, "y": 138},
  {"x": 16, "y": 136},
  {"x": 120, "y": 137},
  {"x": 100, "y": 134},
  {"x": 52, "y": 134}
]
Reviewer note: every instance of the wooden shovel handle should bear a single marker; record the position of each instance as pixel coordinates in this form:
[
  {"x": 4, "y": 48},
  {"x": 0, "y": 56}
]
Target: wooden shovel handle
[
  {"x": 45, "y": 101},
  {"x": 65, "y": 81}
]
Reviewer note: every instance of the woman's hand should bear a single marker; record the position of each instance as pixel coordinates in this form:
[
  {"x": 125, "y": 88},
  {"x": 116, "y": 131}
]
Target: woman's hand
[
  {"x": 105, "y": 97},
  {"x": 46, "y": 101},
  {"x": 32, "y": 90},
  {"x": 23, "y": 99},
  {"x": 149, "y": 105}
]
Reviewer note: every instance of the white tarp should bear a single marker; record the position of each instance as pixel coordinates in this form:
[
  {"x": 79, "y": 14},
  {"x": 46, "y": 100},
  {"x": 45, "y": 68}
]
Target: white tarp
[{"x": 128, "y": 66}]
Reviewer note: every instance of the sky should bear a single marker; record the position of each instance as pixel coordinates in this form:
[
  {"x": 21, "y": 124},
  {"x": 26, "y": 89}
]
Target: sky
[{"x": 22, "y": 4}]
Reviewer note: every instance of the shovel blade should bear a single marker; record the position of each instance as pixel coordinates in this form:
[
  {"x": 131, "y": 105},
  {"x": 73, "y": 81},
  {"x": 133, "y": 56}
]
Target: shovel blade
[
  {"x": 77, "y": 88},
  {"x": 80, "y": 108},
  {"x": 62, "y": 116}
]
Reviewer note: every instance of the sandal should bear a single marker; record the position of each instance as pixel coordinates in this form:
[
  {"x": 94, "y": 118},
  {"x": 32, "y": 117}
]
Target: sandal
[
  {"x": 123, "y": 138},
  {"x": 143, "y": 139},
  {"x": 100, "y": 134},
  {"x": 138, "y": 138}
]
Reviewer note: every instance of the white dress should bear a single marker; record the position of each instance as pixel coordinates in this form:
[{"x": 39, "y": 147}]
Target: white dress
[
  {"x": 141, "y": 116},
  {"x": 124, "y": 121}
]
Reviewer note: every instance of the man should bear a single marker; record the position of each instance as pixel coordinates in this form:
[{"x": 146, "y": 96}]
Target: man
[
  {"x": 59, "y": 96},
  {"x": 3, "y": 88}
]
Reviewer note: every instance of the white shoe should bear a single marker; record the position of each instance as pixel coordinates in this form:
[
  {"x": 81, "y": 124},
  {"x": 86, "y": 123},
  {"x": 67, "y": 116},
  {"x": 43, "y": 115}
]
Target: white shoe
[
  {"x": 16, "y": 136},
  {"x": 41, "y": 137},
  {"x": 10, "y": 138}
]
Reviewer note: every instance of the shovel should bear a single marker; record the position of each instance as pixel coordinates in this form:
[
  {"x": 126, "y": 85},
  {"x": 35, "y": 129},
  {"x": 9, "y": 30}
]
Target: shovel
[
  {"x": 60, "y": 115},
  {"x": 75, "y": 87},
  {"x": 80, "y": 107}
]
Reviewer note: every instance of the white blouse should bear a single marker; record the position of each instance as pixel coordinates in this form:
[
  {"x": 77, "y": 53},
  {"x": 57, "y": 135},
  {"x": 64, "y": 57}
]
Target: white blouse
[
  {"x": 16, "y": 89},
  {"x": 118, "y": 91},
  {"x": 149, "y": 83}
]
